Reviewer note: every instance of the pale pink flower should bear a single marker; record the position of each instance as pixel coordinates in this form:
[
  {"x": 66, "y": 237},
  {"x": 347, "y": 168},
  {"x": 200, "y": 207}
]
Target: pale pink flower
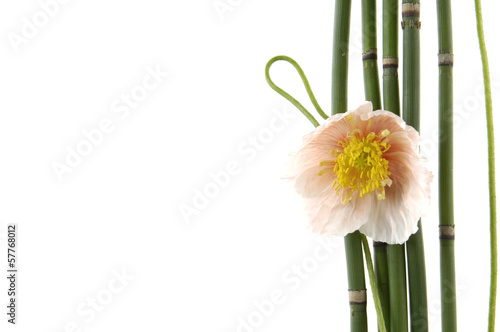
[{"x": 361, "y": 170}]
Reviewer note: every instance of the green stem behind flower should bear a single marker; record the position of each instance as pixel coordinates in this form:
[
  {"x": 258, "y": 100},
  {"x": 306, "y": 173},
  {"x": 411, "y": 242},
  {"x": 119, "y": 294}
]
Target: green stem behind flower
[
  {"x": 396, "y": 253},
  {"x": 382, "y": 277},
  {"x": 411, "y": 115},
  {"x": 376, "y": 296},
  {"x": 491, "y": 166},
  {"x": 398, "y": 311},
  {"x": 446, "y": 215},
  {"x": 397, "y": 285},
  {"x": 372, "y": 94},
  {"x": 354, "y": 253}
]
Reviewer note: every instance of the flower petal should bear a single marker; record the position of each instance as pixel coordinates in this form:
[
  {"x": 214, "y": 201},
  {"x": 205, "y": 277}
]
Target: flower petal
[
  {"x": 331, "y": 217},
  {"x": 390, "y": 220},
  {"x": 407, "y": 189}
]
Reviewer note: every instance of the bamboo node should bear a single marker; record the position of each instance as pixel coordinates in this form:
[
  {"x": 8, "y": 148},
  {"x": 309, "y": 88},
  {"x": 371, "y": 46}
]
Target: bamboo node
[
  {"x": 390, "y": 62},
  {"x": 379, "y": 244},
  {"x": 447, "y": 232},
  {"x": 371, "y": 54},
  {"x": 445, "y": 59},
  {"x": 410, "y": 10},
  {"x": 357, "y": 296}
]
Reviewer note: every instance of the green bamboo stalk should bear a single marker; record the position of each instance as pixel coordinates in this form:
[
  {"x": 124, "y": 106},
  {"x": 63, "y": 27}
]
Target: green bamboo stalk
[
  {"x": 491, "y": 167},
  {"x": 356, "y": 282},
  {"x": 411, "y": 62},
  {"x": 446, "y": 215},
  {"x": 411, "y": 114},
  {"x": 340, "y": 57},
  {"x": 370, "y": 68},
  {"x": 352, "y": 242},
  {"x": 390, "y": 60},
  {"x": 372, "y": 94},
  {"x": 398, "y": 313},
  {"x": 397, "y": 284}
]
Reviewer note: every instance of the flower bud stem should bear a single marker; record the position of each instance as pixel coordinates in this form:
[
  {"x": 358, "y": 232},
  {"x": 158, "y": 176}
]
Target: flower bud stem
[{"x": 491, "y": 167}]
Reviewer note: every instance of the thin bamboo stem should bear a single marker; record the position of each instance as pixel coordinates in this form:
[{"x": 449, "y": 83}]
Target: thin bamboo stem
[
  {"x": 446, "y": 215},
  {"x": 410, "y": 11}
]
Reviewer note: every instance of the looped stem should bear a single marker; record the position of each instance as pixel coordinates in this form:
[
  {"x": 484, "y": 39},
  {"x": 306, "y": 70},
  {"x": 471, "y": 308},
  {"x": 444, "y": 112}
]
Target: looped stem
[{"x": 288, "y": 96}]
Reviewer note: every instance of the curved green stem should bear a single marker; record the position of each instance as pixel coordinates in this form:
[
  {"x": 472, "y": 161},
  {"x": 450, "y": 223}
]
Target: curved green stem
[
  {"x": 373, "y": 284},
  {"x": 288, "y": 96},
  {"x": 491, "y": 166}
]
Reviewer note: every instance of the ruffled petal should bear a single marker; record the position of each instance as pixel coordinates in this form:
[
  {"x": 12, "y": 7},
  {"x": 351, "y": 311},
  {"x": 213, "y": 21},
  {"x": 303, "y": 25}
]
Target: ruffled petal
[
  {"x": 390, "y": 220},
  {"x": 309, "y": 184},
  {"x": 330, "y": 217}
]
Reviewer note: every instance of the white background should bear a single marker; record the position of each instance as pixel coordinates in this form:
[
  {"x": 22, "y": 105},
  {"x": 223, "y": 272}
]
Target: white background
[{"x": 118, "y": 210}]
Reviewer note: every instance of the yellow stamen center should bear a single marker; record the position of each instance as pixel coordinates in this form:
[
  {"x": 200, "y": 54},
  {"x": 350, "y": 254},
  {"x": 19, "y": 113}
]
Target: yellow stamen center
[{"x": 360, "y": 165}]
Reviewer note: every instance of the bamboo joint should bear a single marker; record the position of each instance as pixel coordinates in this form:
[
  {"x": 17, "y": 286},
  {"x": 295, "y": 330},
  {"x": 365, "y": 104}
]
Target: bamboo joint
[{"x": 357, "y": 296}]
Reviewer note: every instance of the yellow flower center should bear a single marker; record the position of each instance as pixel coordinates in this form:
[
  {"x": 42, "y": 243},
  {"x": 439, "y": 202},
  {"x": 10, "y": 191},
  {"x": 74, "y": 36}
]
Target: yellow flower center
[{"x": 360, "y": 165}]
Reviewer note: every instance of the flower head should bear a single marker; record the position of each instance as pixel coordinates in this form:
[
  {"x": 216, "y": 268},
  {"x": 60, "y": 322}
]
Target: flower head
[{"x": 361, "y": 170}]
